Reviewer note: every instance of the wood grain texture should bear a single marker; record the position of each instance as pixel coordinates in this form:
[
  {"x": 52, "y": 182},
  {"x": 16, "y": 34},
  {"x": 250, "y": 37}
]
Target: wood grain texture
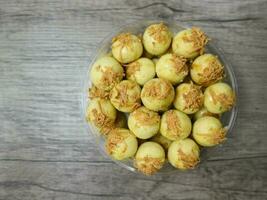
[{"x": 45, "y": 151}]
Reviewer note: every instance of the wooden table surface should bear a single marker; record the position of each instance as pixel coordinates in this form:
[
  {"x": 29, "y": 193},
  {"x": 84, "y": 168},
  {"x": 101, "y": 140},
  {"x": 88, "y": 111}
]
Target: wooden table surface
[{"x": 45, "y": 151}]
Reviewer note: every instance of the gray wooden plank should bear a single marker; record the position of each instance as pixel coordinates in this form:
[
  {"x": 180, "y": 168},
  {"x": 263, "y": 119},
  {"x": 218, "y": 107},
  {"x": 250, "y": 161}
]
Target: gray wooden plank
[{"x": 211, "y": 181}]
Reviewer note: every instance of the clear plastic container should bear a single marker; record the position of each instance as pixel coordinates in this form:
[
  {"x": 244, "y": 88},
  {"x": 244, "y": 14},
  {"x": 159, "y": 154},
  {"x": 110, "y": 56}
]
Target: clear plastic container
[{"x": 228, "y": 118}]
